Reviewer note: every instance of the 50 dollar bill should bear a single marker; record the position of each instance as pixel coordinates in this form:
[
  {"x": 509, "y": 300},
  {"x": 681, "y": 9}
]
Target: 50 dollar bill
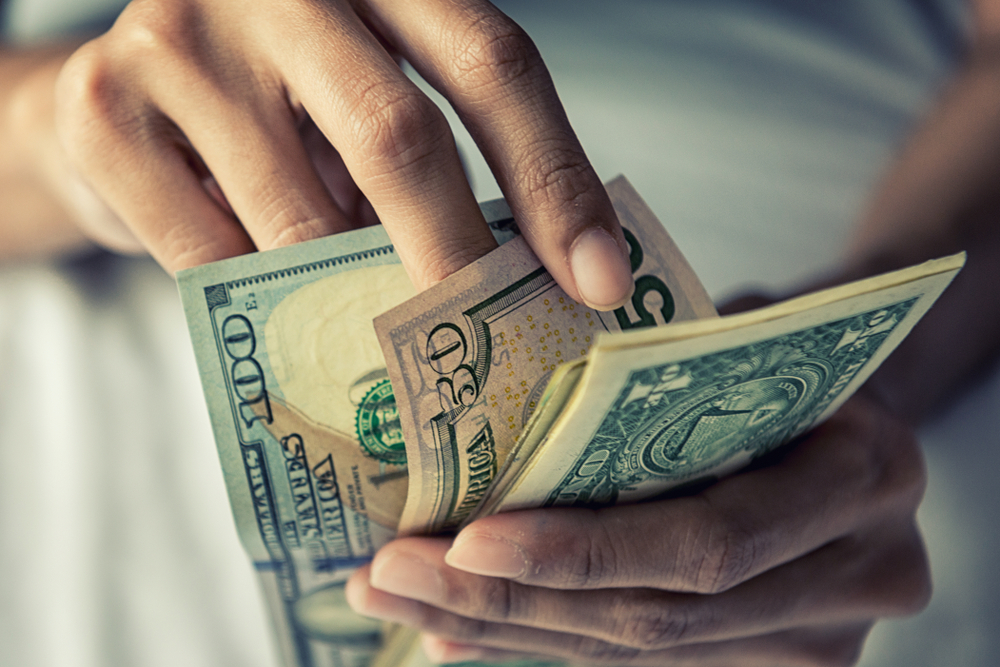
[{"x": 469, "y": 358}]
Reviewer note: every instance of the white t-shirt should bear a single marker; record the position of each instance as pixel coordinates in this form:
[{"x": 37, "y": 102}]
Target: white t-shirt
[{"x": 755, "y": 131}]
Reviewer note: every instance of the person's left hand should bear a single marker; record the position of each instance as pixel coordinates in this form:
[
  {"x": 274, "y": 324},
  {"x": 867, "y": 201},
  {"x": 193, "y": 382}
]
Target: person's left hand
[{"x": 789, "y": 563}]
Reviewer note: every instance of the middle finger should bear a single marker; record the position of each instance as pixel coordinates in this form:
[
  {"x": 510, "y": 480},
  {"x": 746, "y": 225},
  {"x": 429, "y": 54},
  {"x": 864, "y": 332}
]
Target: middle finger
[{"x": 394, "y": 141}]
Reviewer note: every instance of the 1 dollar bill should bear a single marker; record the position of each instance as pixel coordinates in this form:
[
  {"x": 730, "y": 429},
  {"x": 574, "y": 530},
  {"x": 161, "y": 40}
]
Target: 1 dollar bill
[{"x": 687, "y": 404}]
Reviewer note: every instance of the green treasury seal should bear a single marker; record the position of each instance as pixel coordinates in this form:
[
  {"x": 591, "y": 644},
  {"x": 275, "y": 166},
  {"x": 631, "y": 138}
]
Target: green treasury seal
[{"x": 378, "y": 427}]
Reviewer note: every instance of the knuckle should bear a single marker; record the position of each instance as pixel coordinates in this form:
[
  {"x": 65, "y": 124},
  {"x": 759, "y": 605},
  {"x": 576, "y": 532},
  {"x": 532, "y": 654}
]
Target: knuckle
[
  {"x": 283, "y": 217},
  {"x": 157, "y": 31},
  {"x": 495, "y": 52},
  {"x": 555, "y": 175},
  {"x": 497, "y": 601},
  {"x": 659, "y": 629},
  {"x": 182, "y": 247},
  {"x": 401, "y": 127},
  {"x": 444, "y": 259},
  {"x": 602, "y": 652},
  {"x": 598, "y": 560},
  {"x": 295, "y": 230},
  {"x": 650, "y": 624},
  {"x": 101, "y": 86},
  {"x": 500, "y": 602},
  {"x": 87, "y": 96},
  {"x": 729, "y": 561},
  {"x": 456, "y": 628},
  {"x": 724, "y": 555}
]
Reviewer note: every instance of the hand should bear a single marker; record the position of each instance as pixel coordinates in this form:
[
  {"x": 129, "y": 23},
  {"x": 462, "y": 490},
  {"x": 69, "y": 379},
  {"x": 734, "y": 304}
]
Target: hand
[
  {"x": 788, "y": 563},
  {"x": 214, "y": 127}
]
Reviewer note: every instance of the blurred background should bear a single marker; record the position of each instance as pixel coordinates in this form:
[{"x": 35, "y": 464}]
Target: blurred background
[{"x": 755, "y": 130}]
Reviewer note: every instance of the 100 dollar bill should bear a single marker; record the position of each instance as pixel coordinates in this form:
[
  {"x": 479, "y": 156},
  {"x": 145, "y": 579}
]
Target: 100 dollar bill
[{"x": 305, "y": 422}]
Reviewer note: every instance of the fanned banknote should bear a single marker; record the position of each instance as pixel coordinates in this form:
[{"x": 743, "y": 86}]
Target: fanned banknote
[
  {"x": 658, "y": 409},
  {"x": 305, "y": 422},
  {"x": 469, "y": 359}
]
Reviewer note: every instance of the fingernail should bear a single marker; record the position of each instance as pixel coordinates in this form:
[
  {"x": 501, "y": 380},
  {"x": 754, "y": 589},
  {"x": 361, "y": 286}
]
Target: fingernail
[
  {"x": 442, "y": 651},
  {"x": 490, "y": 557},
  {"x": 409, "y": 577},
  {"x": 601, "y": 270}
]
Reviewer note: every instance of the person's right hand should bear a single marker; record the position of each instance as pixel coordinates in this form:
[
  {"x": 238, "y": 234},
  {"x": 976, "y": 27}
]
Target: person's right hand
[{"x": 215, "y": 127}]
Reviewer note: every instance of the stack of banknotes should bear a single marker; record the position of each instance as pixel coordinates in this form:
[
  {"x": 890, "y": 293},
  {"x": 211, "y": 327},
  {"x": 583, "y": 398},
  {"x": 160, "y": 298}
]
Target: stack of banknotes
[{"x": 348, "y": 409}]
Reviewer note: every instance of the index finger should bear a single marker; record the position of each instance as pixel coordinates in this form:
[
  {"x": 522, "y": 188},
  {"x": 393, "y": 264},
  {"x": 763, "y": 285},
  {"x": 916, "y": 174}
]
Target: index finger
[
  {"x": 857, "y": 469},
  {"x": 492, "y": 73}
]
